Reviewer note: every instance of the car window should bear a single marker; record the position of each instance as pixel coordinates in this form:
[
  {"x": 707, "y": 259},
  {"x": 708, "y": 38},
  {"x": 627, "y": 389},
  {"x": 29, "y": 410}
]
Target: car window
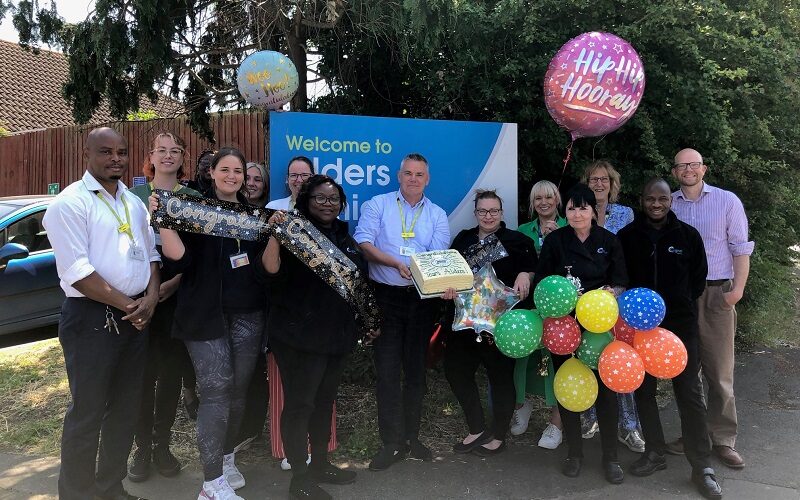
[{"x": 29, "y": 232}]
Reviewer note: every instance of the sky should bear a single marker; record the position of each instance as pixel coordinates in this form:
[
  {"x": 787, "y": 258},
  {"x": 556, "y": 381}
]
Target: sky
[{"x": 71, "y": 10}]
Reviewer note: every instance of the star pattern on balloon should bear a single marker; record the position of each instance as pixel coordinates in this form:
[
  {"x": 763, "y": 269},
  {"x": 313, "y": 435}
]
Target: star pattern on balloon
[
  {"x": 642, "y": 308},
  {"x": 480, "y": 308}
]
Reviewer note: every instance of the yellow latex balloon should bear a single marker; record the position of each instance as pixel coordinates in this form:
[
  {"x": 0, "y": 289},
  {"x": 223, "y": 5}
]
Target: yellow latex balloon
[
  {"x": 575, "y": 386},
  {"x": 597, "y": 311}
]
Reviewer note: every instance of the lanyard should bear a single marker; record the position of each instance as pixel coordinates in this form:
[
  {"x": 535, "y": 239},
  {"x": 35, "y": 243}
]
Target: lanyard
[
  {"x": 124, "y": 227},
  {"x": 174, "y": 190},
  {"x": 407, "y": 233}
]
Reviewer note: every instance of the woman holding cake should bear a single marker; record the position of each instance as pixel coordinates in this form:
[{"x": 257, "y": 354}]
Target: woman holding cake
[
  {"x": 312, "y": 329},
  {"x": 592, "y": 257},
  {"x": 545, "y": 202},
  {"x": 514, "y": 262}
]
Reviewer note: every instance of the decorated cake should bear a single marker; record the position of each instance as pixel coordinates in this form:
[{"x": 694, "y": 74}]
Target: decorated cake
[{"x": 436, "y": 271}]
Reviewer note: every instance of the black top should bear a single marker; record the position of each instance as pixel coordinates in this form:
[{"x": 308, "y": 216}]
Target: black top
[
  {"x": 671, "y": 261},
  {"x": 521, "y": 258},
  {"x": 598, "y": 261},
  {"x": 305, "y": 312},
  {"x": 210, "y": 286}
]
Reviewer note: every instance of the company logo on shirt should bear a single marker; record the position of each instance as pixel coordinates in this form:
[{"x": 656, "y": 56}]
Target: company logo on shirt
[
  {"x": 601, "y": 251},
  {"x": 676, "y": 251}
]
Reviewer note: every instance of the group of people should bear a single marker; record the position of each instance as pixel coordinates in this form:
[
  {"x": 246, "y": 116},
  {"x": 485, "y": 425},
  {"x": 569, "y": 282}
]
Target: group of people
[{"x": 214, "y": 305}]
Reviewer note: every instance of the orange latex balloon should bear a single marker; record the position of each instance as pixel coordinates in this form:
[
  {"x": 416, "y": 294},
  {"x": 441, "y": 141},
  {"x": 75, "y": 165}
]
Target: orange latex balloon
[
  {"x": 620, "y": 367},
  {"x": 662, "y": 352}
]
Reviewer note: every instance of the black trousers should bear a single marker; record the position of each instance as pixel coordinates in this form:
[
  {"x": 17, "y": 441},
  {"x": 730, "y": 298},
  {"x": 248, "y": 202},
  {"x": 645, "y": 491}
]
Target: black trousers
[
  {"x": 688, "y": 389},
  {"x": 255, "y": 414},
  {"x": 310, "y": 382},
  {"x": 400, "y": 352},
  {"x": 462, "y": 355},
  {"x": 607, "y": 419},
  {"x": 105, "y": 372},
  {"x": 162, "y": 381}
]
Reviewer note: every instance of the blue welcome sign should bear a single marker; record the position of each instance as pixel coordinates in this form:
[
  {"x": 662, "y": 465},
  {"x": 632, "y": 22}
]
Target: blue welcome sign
[{"x": 363, "y": 154}]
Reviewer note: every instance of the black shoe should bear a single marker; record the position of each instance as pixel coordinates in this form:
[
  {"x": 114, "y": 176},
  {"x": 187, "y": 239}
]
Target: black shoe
[
  {"x": 329, "y": 473},
  {"x": 140, "y": 466},
  {"x": 191, "y": 403},
  {"x": 706, "y": 483},
  {"x": 385, "y": 458},
  {"x": 647, "y": 464},
  {"x": 304, "y": 487},
  {"x": 571, "y": 467},
  {"x": 483, "y": 438},
  {"x": 166, "y": 463},
  {"x": 483, "y": 451},
  {"x": 419, "y": 451},
  {"x": 613, "y": 472}
]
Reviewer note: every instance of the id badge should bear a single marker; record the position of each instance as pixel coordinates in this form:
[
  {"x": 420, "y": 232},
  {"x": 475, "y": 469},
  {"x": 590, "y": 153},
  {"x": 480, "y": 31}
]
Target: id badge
[
  {"x": 239, "y": 260},
  {"x": 136, "y": 253},
  {"x": 407, "y": 251}
]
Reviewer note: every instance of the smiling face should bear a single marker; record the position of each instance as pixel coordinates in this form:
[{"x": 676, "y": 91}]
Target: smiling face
[
  {"x": 413, "y": 178},
  {"x": 544, "y": 204},
  {"x": 489, "y": 213},
  {"x": 579, "y": 217},
  {"x": 599, "y": 182},
  {"x": 255, "y": 184},
  {"x": 299, "y": 172},
  {"x": 689, "y": 168},
  {"x": 228, "y": 176},
  {"x": 656, "y": 201},
  {"x": 324, "y": 203},
  {"x": 166, "y": 155},
  {"x": 107, "y": 156}
]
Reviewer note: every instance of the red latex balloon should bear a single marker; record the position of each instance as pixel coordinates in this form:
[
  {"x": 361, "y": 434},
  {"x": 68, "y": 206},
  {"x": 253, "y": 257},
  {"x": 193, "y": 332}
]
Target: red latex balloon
[
  {"x": 623, "y": 331},
  {"x": 561, "y": 335},
  {"x": 620, "y": 367},
  {"x": 662, "y": 352}
]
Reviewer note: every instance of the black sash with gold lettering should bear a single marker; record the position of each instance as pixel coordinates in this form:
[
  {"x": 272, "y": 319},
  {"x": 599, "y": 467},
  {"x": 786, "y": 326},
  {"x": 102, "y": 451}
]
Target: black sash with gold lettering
[{"x": 184, "y": 212}]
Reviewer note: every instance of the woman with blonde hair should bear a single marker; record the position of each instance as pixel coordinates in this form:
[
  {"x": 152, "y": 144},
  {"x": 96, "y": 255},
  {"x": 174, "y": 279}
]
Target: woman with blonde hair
[
  {"x": 257, "y": 183},
  {"x": 545, "y": 202}
]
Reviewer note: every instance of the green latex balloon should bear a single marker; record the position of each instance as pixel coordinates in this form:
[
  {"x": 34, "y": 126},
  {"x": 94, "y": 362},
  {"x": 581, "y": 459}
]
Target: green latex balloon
[
  {"x": 518, "y": 333},
  {"x": 555, "y": 296},
  {"x": 592, "y": 345}
]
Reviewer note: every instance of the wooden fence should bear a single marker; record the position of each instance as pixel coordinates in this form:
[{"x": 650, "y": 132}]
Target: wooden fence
[{"x": 31, "y": 161}]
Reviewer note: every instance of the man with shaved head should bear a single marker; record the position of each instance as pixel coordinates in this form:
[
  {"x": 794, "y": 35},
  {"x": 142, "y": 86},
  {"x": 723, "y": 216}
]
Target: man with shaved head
[
  {"x": 667, "y": 255},
  {"x": 108, "y": 265},
  {"x": 720, "y": 218}
]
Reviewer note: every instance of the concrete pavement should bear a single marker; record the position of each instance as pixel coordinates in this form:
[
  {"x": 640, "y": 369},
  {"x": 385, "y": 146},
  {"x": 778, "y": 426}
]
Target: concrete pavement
[{"x": 768, "y": 401}]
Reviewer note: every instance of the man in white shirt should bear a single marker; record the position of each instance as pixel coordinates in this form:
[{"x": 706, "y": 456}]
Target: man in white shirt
[
  {"x": 391, "y": 228},
  {"x": 108, "y": 265}
]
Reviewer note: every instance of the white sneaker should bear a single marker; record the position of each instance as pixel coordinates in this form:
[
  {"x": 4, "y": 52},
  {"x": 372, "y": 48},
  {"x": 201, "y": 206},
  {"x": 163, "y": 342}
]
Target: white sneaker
[
  {"x": 218, "y": 489},
  {"x": 551, "y": 437},
  {"x": 522, "y": 415},
  {"x": 231, "y": 474},
  {"x": 633, "y": 440},
  {"x": 285, "y": 465}
]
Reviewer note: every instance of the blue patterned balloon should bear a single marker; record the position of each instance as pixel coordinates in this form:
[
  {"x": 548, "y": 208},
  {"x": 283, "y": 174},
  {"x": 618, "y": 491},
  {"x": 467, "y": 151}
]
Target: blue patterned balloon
[
  {"x": 267, "y": 79},
  {"x": 642, "y": 308}
]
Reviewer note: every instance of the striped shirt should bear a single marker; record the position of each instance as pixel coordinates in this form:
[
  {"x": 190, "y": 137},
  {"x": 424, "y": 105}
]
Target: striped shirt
[{"x": 719, "y": 217}]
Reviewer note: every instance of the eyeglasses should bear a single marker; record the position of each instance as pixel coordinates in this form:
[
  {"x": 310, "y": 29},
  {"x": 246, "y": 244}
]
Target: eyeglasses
[
  {"x": 171, "y": 152},
  {"x": 598, "y": 180},
  {"x": 294, "y": 177},
  {"x": 683, "y": 166},
  {"x": 321, "y": 199},
  {"x": 494, "y": 212}
]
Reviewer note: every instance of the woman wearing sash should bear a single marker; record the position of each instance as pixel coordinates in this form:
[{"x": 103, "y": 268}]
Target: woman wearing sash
[
  {"x": 223, "y": 335},
  {"x": 463, "y": 351},
  {"x": 312, "y": 329}
]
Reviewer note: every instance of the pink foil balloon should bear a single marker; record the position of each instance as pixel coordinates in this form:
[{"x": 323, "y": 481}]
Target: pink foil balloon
[{"x": 594, "y": 84}]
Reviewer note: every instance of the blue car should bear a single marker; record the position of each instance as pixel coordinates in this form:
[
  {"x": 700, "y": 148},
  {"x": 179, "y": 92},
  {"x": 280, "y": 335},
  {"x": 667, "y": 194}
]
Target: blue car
[{"x": 30, "y": 295}]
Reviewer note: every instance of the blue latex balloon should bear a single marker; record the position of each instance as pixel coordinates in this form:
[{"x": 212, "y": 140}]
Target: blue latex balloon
[{"x": 642, "y": 308}]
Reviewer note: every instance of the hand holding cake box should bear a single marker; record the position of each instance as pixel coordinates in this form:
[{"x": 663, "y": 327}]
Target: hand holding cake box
[{"x": 436, "y": 271}]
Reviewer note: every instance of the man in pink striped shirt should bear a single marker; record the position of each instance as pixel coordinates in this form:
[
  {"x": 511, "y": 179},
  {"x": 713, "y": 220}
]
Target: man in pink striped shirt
[{"x": 720, "y": 218}]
